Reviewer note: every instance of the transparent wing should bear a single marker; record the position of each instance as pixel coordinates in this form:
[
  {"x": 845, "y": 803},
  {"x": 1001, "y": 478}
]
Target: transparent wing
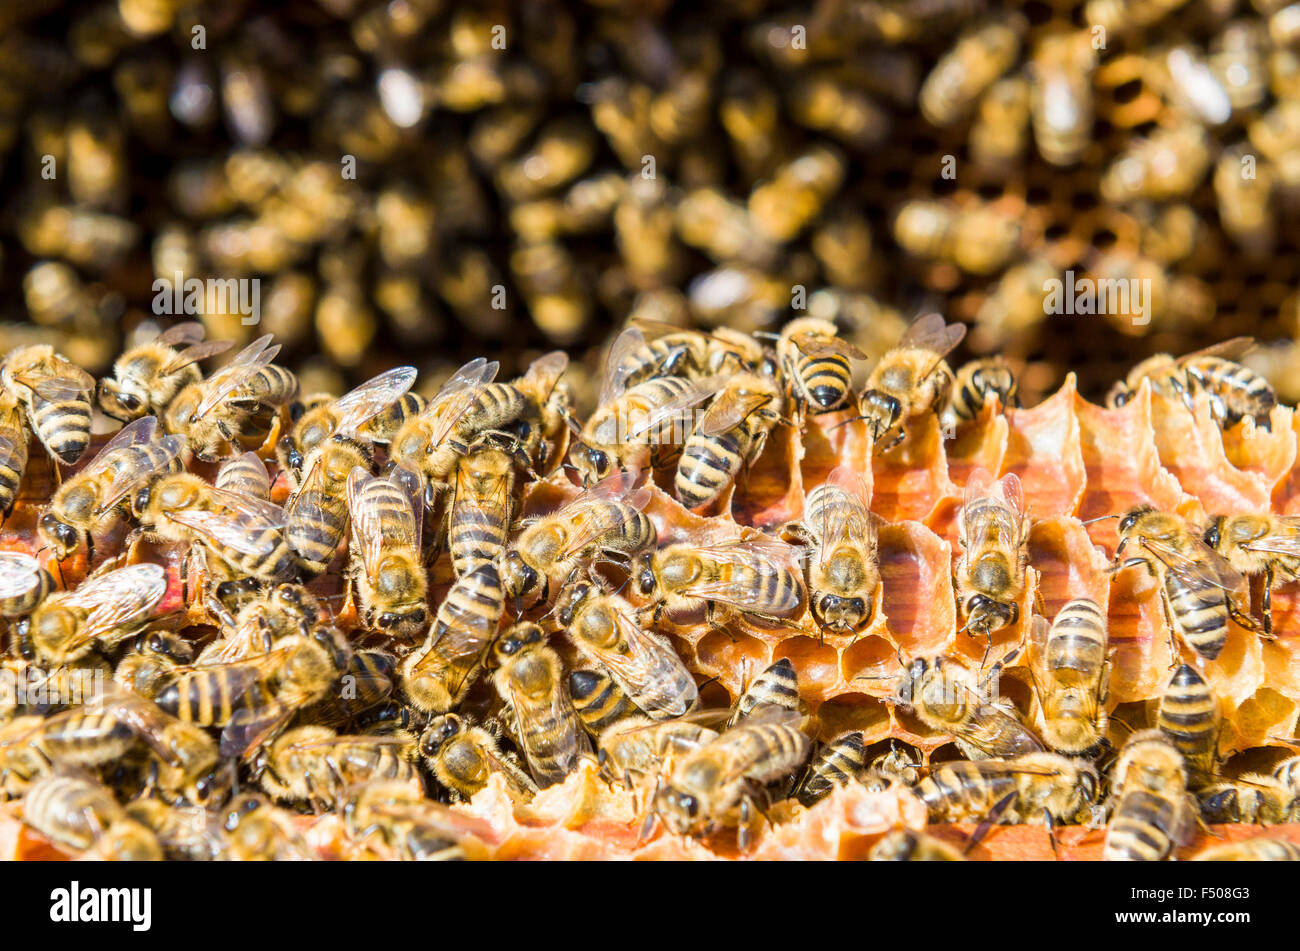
[
  {"x": 601, "y": 520},
  {"x": 992, "y": 509},
  {"x": 263, "y": 512},
  {"x": 817, "y": 345},
  {"x": 996, "y": 733},
  {"x": 241, "y": 532},
  {"x": 736, "y": 589},
  {"x": 234, "y": 374},
  {"x": 1283, "y": 542},
  {"x": 182, "y": 334},
  {"x": 933, "y": 333},
  {"x": 850, "y": 521},
  {"x": 413, "y": 485},
  {"x": 544, "y": 372},
  {"x": 126, "y": 478},
  {"x": 62, "y": 381},
  {"x": 19, "y": 573},
  {"x": 119, "y": 597},
  {"x": 371, "y": 398},
  {"x": 652, "y": 667},
  {"x": 618, "y": 364},
  {"x": 249, "y": 467},
  {"x": 375, "y": 527},
  {"x": 548, "y": 729},
  {"x": 730, "y": 408},
  {"x": 1233, "y": 349},
  {"x": 135, "y": 433},
  {"x": 1206, "y": 566},
  {"x": 457, "y": 395},
  {"x": 673, "y": 409}
]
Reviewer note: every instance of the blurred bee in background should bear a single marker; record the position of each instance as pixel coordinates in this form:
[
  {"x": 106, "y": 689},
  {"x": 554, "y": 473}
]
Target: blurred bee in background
[
  {"x": 1072, "y": 673},
  {"x": 55, "y": 396},
  {"x": 727, "y": 438},
  {"x": 978, "y": 238},
  {"x": 993, "y": 528},
  {"x": 463, "y": 756},
  {"x": 255, "y": 830},
  {"x": 1255, "y": 544},
  {"x": 13, "y": 449},
  {"x": 1251, "y": 798},
  {"x": 980, "y": 56},
  {"x": 816, "y": 365},
  {"x": 146, "y": 378},
  {"x": 80, "y": 813},
  {"x": 842, "y": 569},
  {"x": 1262, "y": 848},
  {"x": 1189, "y": 717},
  {"x": 102, "y": 611},
  {"x": 1000, "y": 134},
  {"x": 387, "y": 563},
  {"x": 1196, "y": 582},
  {"x": 976, "y": 383},
  {"x": 23, "y": 584},
  {"x": 1144, "y": 170},
  {"x": 1061, "y": 101},
  {"x": 1151, "y": 812},
  {"x": 911, "y": 379},
  {"x": 907, "y": 845}
]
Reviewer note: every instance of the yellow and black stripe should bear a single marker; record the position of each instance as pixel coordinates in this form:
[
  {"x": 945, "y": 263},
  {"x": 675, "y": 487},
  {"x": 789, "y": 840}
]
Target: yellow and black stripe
[{"x": 1189, "y": 716}]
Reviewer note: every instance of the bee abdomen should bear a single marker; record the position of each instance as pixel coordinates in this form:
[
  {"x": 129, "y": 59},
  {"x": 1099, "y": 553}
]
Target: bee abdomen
[
  {"x": 825, "y": 380},
  {"x": 315, "y": 529},
  {"x": 64, "y": 427},
  {"x": 837, "y": 765},
  {"x": 477, "y": 534},
  {"x": 1189, "y": 717},
  {"x": 954, "y": 792},
  {"x": 1201, "y": 613},
  {"x": 598, "y": 700},
  {"x": 707, "y": 466},
  {"x": 1139, "y": 831},
  {"x": 778, "y": 685}
]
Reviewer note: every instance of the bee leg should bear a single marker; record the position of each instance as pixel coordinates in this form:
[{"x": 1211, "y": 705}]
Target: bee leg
[
  {"x": 652, "y": 816},
  {"x": 989, "y": 821},
  {"x": 1267, "y": 603},
  {"x": 743, "y": 835},
  {"x": 1169, "y": 624},
  {"x": 1050, "y": 822},
  {"x": 1243, "y": 620}
]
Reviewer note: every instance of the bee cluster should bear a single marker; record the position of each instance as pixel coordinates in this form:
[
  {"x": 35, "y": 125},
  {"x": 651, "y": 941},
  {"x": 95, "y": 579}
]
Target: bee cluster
[
  {"x": 721, "y": 604},
  {"x": 452, "y": 178}
]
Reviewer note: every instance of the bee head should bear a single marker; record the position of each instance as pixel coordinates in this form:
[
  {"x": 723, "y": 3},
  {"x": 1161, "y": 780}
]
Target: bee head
[
  {"x": 1128, "y": 521},
  {"x": 62, "y": 535},
  {"x": 140, "y": 503},
  {"x": 520, "y": 577},
  {"x": 575, "y": 595},
  {"x": 438, "y": 732},
  {"x": 841, "y": 614},
  {"x": 881, "y": 411},
  {"x": 646, "y": 581},
  {"x": 241, "y": 809}
]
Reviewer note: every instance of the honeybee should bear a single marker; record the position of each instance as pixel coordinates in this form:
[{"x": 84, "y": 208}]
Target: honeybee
[
  {"x": 211, "y": 693},
  {"x": 598, "y": 700},
  {"x": 24, "y": 584},
  {"x": 1168, "y": 164},
  {"x": 911, "y": 379},
  {"x": 153, "y": 662},
  {"x": 214, "y": 414},
  {"x": 729, "y": 436},
  {"x": 979, "y": 239},
  {"x": 908, "y": 845},
  {"x": 530, "y": 679},
  {"x": 1259, "y": 543},
  {"x": 244, "y": 533},
  {"x": 102, "y": 489},
  {"x": 728, "y": 773},
  {"x": 13, "y": 449},
  {"x": 815, "y": 363},
  {"x": 55, "y": 396},
  {"x": 1000, "y": 133},
  {"x": 1034, "y": 785},
  {"x": 463, "y": 756},
  {"x": 1151, "y": 811},
  {"x": 102, "y": 611},
  {"x": 1070, "y": 669},
  {"x": 370, "y": 674},
  {"x": 256, "y": 831},
  {"x": 436, "y": 676},
  {"x": 1261, "y": 848},
  {"x": 184, "y": 832},
  {"x": 146, "y": 378},
  {"x": 313, "y": 764},
  {"x": 1252, "y": 798},
  {"x": 994, "y": 533},
  {"x": 245, "y": 475},
  {"x": 1195, "y": 581},
  {"x": 1245, "y": 203},
  {"x": 79, "y": 813},
  {"x": 977, "y": 382},
  {"x": 316, "y": 512},
  {"x": 395, "y": 816},
  {"x": 431, "y": 442},
  {"x": 978, "y": 59},
  {"x": 836, "y": 765},
  {"x": 349, "y": 415},
  {"x": 387, "y": 564},
  {"x": 751, "y": 577},
  {"x": 603, "y": 627},
  {"x": 843, "y": 569},
  {"x": 776, "y": 686},
  {"x": 604, "y": 523},
  {"x": 1234, "y": 391},
  {"x": 896, "y": 766},
  {"x": 481, "y": 509},
  {"x": 1189, "y": 717},
  {"x": 939, "y": 692},
  {"x": 1061, "y": 100}
]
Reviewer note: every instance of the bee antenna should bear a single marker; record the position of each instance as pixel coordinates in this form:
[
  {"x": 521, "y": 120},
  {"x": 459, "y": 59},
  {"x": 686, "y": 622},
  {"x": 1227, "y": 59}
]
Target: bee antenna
[
  {"x": 852, "y": 419},
  {"x": 765, "y": 335},
  {"x": 1099, "y": 518},
  {"x": 1285, "y": 740}
]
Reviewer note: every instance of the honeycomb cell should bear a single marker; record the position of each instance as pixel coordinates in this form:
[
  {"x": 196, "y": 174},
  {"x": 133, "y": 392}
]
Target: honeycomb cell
[
  {"x": 816, "y": 663},
  {"x": 918, "y": 602},
  {"x": 853, "y": 711}
]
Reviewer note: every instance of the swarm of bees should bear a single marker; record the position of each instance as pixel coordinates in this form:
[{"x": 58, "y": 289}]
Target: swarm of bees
[{"x": 247, "y": 612}]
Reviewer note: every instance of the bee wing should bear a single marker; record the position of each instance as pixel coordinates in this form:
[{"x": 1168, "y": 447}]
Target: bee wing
[
  {"x": 413, "y": 485},
  {"x": 841, "y": 526},
  {"x": 349, "y": 739},
  {"x": 554, "y": 719},
  {"x": 18, "y": 573},
  {"x": 143, "y": 716},
  {"x": 441, "y": 819},
  {"x": 995, "y": 732},
  {"x": 230, "y": 377},
  {"x": 728, "y": 409},
  {"x": 186, "y": 333},
  {"x": 603, "y": 521},
  {"x": 1285, "y": 542},
  {"x": 694, "y": 394},
  {"x": 617, "y": 365},
  {"x": 195, "y": 353},
  {"x": 135, "y": 433},
  {"x": 371, "y": 398},
  {"x": 377, "y": 530},
  {"x": 651, "y": 666},
  {"x": 816, "y": 345},
  {"x": 456, "y": 396},
  {"x": 980, "y": 519},
  {"x": 1208, "y": 567},
  {"x": 126, "y": 479},
  {"x": 1039, "y": 629},
  {"x": 250, "y": 728},
  {"x": 933, "y": 333},
  {"x": 742, "y": 554},
  {"x": 65, "y": 381},
  {"x": 544, "y": 372},
  {"x": 119, "y": 597},
  {"x": 260, "y": 509},
  {"x": 1233, "y": 349},
  {"x": 243, "y": 532}
]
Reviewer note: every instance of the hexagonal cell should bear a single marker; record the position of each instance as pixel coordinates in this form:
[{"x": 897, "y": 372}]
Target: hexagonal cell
[
  {"x": 946, "y": 753},
  {"x": 853, "y": 711},
  {"x": 734, "y": 659},
  {"x": 816, "y": 664},
  {"x": 1267, "y": 713},
  {"x": 918, "y": 602},
  {"x": 870, "y": 656},
  {"x": 714, "y": 695}
]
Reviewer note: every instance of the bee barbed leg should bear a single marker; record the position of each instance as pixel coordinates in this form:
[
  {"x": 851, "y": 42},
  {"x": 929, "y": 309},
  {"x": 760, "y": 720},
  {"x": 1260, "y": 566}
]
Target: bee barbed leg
[
  {"x": 1243, "y": 620},
  {"x": 1267, "y": 601}
]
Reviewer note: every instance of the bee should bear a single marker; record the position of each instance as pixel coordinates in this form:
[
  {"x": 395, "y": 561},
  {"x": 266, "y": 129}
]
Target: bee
[
  {"x": 245, "y": 475},
  {"x": 776, "y": 686},
  {"x": 911, "y": 379},
  {"x": 604, "y": 628},
  {"x": 1245, "y": 203},
  {"x": 1234, "y": 391},
  {"x": 1144, "y": 170},
  {"x": 1151, "y": 811},
  {"x": 184, "y": 832},
  {"x": 432, "y": 442},
  {"x": 1252, "y": 798},
  {"x": 994, "y": 533},
  {"x": 604, "y": 523},
  {"x": 1258, "y": 543},
  {"x": 908, "y": 845},
  {"x": 395, "y": 816},
  {"x": 530, "y": 679},
  {"x": 939, "y": 693},
  {"x": 316, "y": 512},
  {"x": 244, "y": 533},
  {"x": 436, "y": 675},
  {"x": 215, "y": 413},
  {"x": 153, "y": 663},
  {"x": 1070, "y": 669},
  {"x": 1061, "y": 99},
  {"x": 896, "y": 766},
  {"x": 81, "y": 814},
  {"x": 1195, "y": 581},
  {"x": 729, "y": 436},
  {"x": 103, "y": 488},
  {"x": 816, "y": 365},
  {"x": 752, "y": 577},
  {"x": 598, "y": 700},
  {"x": 481, "y": 510},
  {"x": 463, "y": 756},
  {"x": 147, "y": 378},
  {"x": 1000, "y": 133},
  {"x": 1047, "y": 785},
  {"x": 960, "y": 77},
  {"x": 729, "y": 772},
  {"x": 387, "y": 563},
  {"x": 842, "y": 570},
  {"x": 796, "y": 193},
  {"x": 977, "y": 382},
  {"x": 211, "y": 692},
  {"x": 836, "y": 765},
  {"x": 256, "y": 831},
  {"x": 380, "y": 402},
  {"x": 55, "y": 397},
  {"x": 370, "y": 674},
  {"x": 102, "y": 611},
  {"x": 1189, "y": 717},
  {"x": 24, "y": 584},
  {"x": 315, "y": 765},
  {"x": 637, "y": 746},
  {"x": 13, "y": 449},
  {"x": 1261, "y": 848}
]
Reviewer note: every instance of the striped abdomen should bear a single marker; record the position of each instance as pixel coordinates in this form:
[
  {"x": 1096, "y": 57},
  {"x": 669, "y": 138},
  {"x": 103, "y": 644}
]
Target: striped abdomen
[
  {"x": 1189, "y": 716},
  {"x": 211, "y": 697},
  {"x": 958, "y": 791},
  {"x": 382, "y": 427},
  {"x": 496, "y": 407},
  {"x": 348, "y": 764},
  {"x": 453, "y": 651},
  {"x": 622, "y": 529},
  {"x": 1142, "y": 828},
  {"x": 762, "y": 751},
  {"x": 316, "y": 523},
  {"x": 63, "y": 427},
  {"x": 1200, "y": 611},
  {"x": 1237, "y": 390},
  {"x": 598, "y": 700},
  {"x": 13, "y": 462},
  {"x": 767, "y": 588},
  {"x": 69, "y": 810},
  {"x": 778, "y": 685},
  {"x": 271, "y": 385},
  {"x": 1077, "y": 641},
  {"x": 87, "y": 739},
  {"x": 831, "y": 505},
  {"x": 974, "y": 386},
  {"x": 708, "y": 465},
  {"x": 245, "y": 475},
  {"x": 838, "y": 764},
  {"x": 825, "y": 380},
  {"x": 476, "y": 532},
  {"x": 17, "y": 605}
]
